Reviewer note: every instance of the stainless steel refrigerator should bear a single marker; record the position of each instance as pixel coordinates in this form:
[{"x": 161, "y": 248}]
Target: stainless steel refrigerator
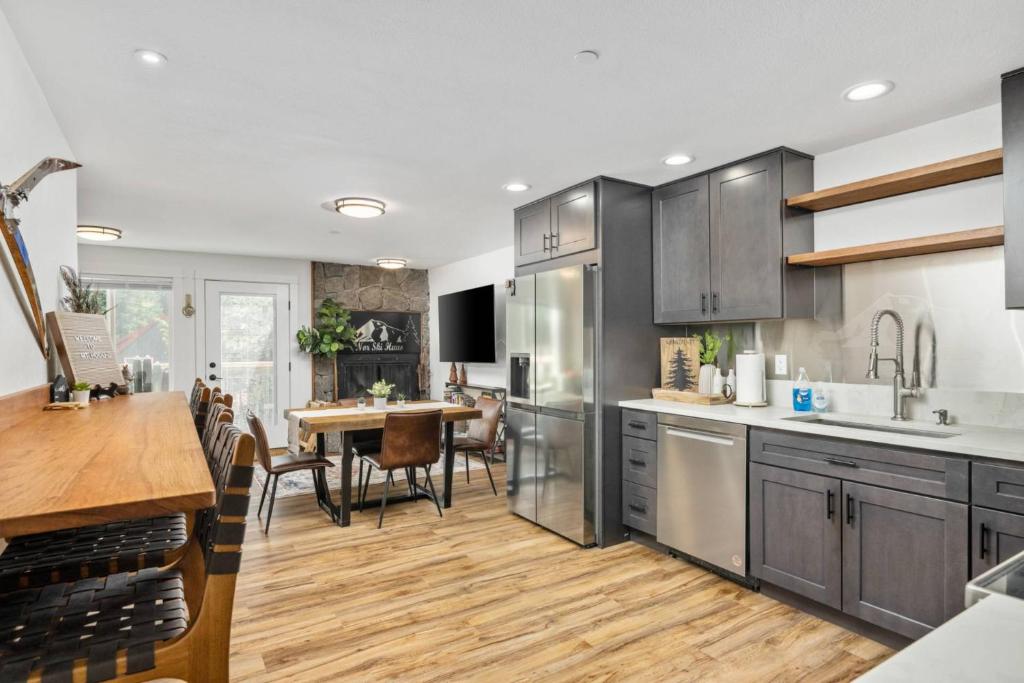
[{"x": 551, "y": 420}]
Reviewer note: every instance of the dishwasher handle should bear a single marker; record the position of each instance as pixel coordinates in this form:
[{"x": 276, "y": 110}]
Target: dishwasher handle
[{"x": 709, "y": 437}]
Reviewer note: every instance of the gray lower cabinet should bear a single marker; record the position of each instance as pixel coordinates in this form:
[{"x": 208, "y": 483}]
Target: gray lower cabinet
[
  {"x": 640, "y": 507},
  {"x": 996, "y": 537},
  {"x": 904, "y": 558},
  {"x": 795, "y": 532}
]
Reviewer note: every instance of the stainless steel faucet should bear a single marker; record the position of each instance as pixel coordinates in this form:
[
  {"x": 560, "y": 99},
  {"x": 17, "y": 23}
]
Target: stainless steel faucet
[{"x": 900, "y": 391}]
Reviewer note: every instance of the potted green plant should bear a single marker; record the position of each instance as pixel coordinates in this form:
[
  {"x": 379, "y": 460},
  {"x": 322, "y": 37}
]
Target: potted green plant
[
  {"x": 401, "y": 399},
  {"x": 710, "y": 345},
  {"x": 81, "y": 392},
  {"x": 331, "y": 333},
  {"x": 380, "y": 392}
]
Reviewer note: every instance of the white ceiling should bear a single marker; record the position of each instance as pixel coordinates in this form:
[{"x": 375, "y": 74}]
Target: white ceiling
[{"x": 268, "y": 108}]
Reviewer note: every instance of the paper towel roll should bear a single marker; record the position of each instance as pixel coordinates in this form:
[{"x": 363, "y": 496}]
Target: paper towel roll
[{"x": 750, "y": 386}]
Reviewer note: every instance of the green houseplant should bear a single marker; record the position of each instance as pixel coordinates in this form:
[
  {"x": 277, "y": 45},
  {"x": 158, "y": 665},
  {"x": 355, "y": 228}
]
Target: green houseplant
[
  {"x": 331, "y": 333},
  {"x": 81, "y": 390},
  {"x": 380, "y": 391},
  {"x": 710, "y": 345}
]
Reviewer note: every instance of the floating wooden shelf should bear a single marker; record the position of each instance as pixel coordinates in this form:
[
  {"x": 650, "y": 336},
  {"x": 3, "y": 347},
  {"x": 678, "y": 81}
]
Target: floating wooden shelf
[
  {"x": 971, "y": 167},
  {"x": 933, "y": 244}
]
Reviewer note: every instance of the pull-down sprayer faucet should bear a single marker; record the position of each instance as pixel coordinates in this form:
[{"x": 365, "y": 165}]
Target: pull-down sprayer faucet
[{"x": 900, "y": 391}]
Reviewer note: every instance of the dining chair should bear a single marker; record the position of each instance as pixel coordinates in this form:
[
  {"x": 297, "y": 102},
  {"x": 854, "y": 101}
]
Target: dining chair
[
  {"x": 410, "y": 441},
  {"x": 160, "y": 622},
  {"x": 482, "y": 436},
  {"x": 276, "y": 465}
]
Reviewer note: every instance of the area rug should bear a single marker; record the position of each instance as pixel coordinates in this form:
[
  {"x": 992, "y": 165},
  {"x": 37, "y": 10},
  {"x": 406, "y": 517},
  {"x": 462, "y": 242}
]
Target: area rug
[{"x": 301, "y": 483}]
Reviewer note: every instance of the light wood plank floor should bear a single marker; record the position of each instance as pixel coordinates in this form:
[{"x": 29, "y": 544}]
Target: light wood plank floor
[{"x": 484, "y": 595}]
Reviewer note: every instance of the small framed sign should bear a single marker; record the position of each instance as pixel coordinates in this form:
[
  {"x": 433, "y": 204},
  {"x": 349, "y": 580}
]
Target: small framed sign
[{"x": 84, "y": 348}]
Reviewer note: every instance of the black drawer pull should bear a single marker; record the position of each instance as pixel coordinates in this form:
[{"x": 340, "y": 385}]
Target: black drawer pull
[
  {"x": 983, "y": 542},
  {"x": 829, "y": 504},
  {"x": 642, "y": 509},
  {"x": 637, "y": 424},
  {"x": 849, "y": 509},
  {"x": 638, "y": 463},
  {"x": 840, "y": 461}
]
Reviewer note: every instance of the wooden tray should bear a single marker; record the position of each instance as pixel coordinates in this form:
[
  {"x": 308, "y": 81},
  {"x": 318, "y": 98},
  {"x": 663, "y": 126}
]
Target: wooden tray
[{"x": 690, "y": 397}]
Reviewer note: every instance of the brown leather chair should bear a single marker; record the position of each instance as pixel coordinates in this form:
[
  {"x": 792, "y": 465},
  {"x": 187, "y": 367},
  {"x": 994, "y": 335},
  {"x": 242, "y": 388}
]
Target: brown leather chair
[
  {"x": 410, "y": 441},
  {"x": 276, "y": 465},
  {"x": 483, "y": 433}
]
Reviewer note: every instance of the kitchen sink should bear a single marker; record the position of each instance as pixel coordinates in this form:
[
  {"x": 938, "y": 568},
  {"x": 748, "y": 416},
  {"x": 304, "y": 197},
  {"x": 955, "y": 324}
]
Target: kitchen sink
[{"x": 872, "y": 426}]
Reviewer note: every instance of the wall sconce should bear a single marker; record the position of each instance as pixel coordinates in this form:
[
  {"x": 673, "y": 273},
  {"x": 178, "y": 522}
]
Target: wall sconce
[{"x": 188, "y": 310}]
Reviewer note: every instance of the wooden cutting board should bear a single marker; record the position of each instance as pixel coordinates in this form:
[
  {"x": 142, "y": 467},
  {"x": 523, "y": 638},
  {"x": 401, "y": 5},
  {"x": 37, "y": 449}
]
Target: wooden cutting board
[{"x": 690, "y": 397}]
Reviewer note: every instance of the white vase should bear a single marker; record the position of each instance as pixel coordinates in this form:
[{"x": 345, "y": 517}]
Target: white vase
[
  {"x": 380, "y": 402},
  {"x": 82, "y": 397},
  {"x": 706, "y": 378}
]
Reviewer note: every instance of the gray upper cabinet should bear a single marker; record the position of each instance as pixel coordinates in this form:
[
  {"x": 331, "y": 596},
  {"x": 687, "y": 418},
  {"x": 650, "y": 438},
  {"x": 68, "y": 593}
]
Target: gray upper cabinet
[
  {"x": 795, "y": 532},
  {"x": 682, "y": 243},
  {"x": 721, "y": 240},
  {"x": 1013, "y": 186},
  {"x": 746, "y": 240},
  {"x": 573, "y": 225},
  {"x": 533, "y": 233},
  {"x": 904, "y": 558}
]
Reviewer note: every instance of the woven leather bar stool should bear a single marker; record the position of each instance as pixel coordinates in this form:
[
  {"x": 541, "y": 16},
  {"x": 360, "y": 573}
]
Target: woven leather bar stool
[
  {"x": 101, "y": 549},
  {"x": 172, "y": 622},
  {"x": 482, "y": 436}
]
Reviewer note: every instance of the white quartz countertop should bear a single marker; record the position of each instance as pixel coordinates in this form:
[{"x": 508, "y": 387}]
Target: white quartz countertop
[
  {"x": 986, "y": 442},
  {"x": 983, "y": 643}
]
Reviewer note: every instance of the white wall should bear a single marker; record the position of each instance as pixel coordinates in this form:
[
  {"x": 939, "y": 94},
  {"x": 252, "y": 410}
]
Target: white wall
[
  {"x": 491, "y": 268},
  {"x": 188, "y": 271},
  {"x": 48, "y": 219}
]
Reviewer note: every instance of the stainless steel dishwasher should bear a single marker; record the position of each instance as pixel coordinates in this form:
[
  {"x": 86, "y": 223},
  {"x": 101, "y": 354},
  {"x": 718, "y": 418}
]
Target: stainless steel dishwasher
[{"x": 702, "y": 490}]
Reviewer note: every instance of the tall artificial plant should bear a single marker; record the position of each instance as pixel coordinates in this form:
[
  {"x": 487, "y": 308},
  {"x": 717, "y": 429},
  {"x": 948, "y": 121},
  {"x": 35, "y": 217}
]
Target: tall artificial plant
[
  {"x": 332, "y": 333},
  {"x": 81, "y": 297}
]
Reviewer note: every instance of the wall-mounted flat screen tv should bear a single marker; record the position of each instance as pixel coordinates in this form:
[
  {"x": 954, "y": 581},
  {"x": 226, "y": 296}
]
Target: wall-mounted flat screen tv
[{"x": 466, "y": 326}]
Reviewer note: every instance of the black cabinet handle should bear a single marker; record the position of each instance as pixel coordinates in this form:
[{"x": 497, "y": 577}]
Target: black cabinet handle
[
  {"x": 714, "y": 302},
  {"x": 983, "y": 542},
  {"x": 546, "y": 238},
  {"x": 638, "y": 463},
  {"x": 703, "y": 303},
  {"x": 830, "y": 501},
  {"x": 556, "y": 240},
  {"x": 849, "y": 509},
  {"x": 840, "y": 461},
  {"x": 636, "y": 424},
  {"x": 642, "y": 509}
]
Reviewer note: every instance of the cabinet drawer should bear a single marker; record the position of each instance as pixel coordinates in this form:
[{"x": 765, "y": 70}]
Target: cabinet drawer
[
  {"x": 640, "y": 461},
  {"x": 640, "y": 424},
  {"x": 999, "y": 487},
  {"x": 640, "y": 507},
  {"x": 895, "y": 468}
]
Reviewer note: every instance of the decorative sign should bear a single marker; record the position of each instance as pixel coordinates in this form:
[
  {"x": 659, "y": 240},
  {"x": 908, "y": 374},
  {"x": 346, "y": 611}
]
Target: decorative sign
[
  {"x": 680, "y": 363},
  {"x": 84, "y": 347},
  {"x": 385, "y": 332}
]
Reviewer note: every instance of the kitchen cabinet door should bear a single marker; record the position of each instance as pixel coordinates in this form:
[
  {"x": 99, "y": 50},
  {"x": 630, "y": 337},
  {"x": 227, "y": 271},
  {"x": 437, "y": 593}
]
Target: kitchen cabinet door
[
  {"x": 904, "y": 558},
  {"x": 995, "y": 537},
  {"x": 746, "y": 240},
  {"x": 533, "y": 233},
  {"x": 682, "y": 243},
  {"x": 795, "y": 532},
  {"x": 573, "y": 224}
]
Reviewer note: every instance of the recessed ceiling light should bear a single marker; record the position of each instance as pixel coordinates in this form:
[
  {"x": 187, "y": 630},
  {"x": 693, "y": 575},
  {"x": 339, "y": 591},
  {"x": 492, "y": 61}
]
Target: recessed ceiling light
[
  {"x": 517, "y": 187},
  {"x": 150, "y": 57},
  {"x": 868, "y": 91},
  {"x": 677, "y": 159},
  {"x": 98, "y": 233},
  {"x": 586, "y": 56},
  {"x": 359, "y": 207},
  {"x": 391, "y": 263}
]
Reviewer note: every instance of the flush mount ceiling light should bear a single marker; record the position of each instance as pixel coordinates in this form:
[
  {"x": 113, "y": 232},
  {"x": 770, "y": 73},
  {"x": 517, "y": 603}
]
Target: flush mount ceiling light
[
  {"x": 98, "y": 233},
  {"x": 677, "y": 159},
  {"x": 586, "y": 56},
  {"x": 391, "y": 263},
  {"x": 150, "y": 57},
  {"x": 868, "y": 91},
  {"x": 359, "y": 207},
  {"x": 516, "y": 187}
]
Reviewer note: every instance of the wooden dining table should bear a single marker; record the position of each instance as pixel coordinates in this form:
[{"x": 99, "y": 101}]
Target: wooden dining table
[
  {"x": 348, "y": 420},
  {"x": 120, "y": 458}
]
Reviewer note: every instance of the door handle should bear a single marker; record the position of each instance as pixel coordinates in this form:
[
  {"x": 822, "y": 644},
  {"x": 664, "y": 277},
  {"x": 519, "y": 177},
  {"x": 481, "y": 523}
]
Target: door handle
[
  {"x": 703, "y": 303},
  {"x": 215, "y": 377},
  {"x": 556, "y": 240},
  {"x": 638, "y": 463},
  {"x": 546, "y": 247},
  {"x": 829, "y": 504},
  {"x": 983, "y": 542},
  {"x": 714, "y": 302},
  {"x": 840, "y": 461},
  {"x": 849, "y": 509}
]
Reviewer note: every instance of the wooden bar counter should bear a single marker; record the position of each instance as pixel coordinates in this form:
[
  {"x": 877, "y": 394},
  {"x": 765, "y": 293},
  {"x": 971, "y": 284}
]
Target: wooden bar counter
[{"x": 127, "y": 457}]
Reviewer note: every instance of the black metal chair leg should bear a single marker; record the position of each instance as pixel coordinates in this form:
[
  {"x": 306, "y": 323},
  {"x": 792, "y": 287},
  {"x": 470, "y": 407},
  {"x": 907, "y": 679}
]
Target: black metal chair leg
[
  {"x": 467, "y": 467},
  {"x": 433, "y": 493},
  {"x": 487, "y": 466},
  {"x": 384, "y": 500},
  {"x": 364, "y": 486},
  {"x": 408, "y": 481},
  {"x": 264, "y": 496},
  {"x": 359, "y": 488},
  {"x": 270, "y": 510}
]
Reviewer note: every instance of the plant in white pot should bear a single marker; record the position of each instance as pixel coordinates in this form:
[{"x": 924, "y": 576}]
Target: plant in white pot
[
  {"x": 82, "y": 390},
  {"x": 710, "y": 345},
  {"x": 380, "y": 392}
]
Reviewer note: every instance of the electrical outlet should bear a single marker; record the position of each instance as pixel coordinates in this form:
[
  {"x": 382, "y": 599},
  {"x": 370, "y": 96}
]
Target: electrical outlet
[{"x": 781, "y": 366}]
